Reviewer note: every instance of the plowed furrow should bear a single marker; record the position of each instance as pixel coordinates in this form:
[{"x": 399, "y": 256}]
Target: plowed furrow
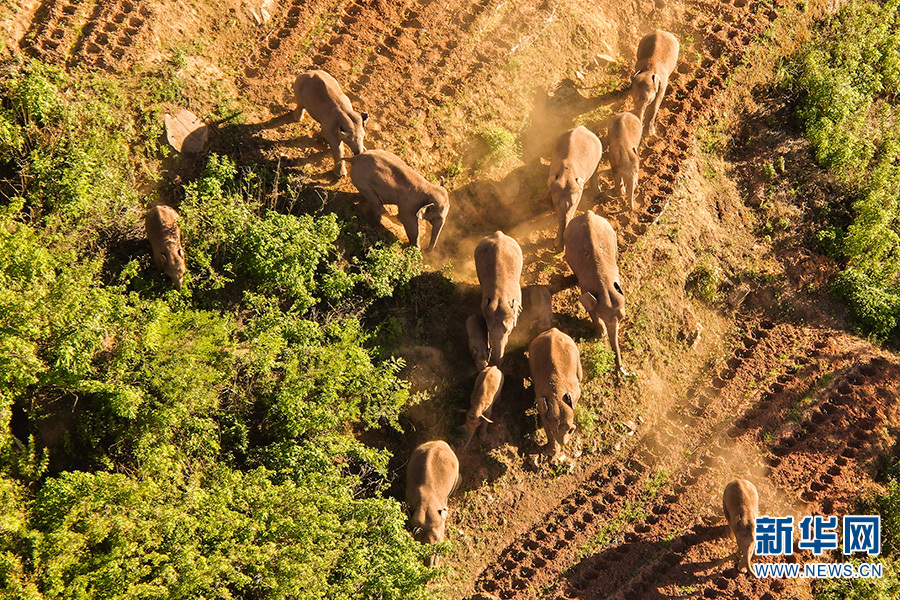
[
  {"x": 56, "y": 29},
  {"x": 817, "y": 437},
  {"x": 107, "y": 39},
  {"x": 623, "y": 501}
]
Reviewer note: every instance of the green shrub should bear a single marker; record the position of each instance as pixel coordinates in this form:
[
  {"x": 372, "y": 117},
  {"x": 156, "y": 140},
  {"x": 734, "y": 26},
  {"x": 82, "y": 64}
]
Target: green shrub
[
  {"x": 208, "y": 436},
  {"x": 70, "y": 147},
  {"x": 843, "y": 80}
]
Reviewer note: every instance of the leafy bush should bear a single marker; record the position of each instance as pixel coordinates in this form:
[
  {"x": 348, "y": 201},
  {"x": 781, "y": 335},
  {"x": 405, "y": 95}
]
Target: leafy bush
[
  {"x": 70, "y": 149},
  {"x": 209, "y": 437},
  {"x": 844, "y": 80}
]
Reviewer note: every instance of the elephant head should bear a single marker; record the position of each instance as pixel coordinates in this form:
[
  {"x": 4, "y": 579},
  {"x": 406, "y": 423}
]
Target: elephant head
[{"x": 501, "y": 317}]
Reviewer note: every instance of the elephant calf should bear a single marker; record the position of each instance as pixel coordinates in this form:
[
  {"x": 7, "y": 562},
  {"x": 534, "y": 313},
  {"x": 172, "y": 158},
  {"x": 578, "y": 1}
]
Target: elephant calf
[
  {"x": 161, "y": 224},
  {"x": 487, "y": 391},
  {"x": 383, "y": 178},
  {"x": 538, "y": 307},
  {"x": 740, "y": 502},
  {"x": 556, "y": 375},
  {"x": 476, "y": 328},
  {"x": 592, "y": 254},
  {"x": 657, "y": 56},
  {"x": 432, "y": 475},
  {"x": 575, "y": 159},
  {"x": 498, "y": 263},
  {"x": 319, "y": 94},
  {"x": 624, "y": 139}
]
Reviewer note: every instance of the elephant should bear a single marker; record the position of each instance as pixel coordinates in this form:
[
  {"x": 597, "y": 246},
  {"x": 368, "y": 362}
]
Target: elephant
[
  {"x": 319, "y": 94},
  {"x": 161, "y": 225},
  {"x": 623, "y": 139},
  {"x": 498, "y": 264},
  {"x": 488, "y": 385},
  {"x": 575, "y": 158},
  {"x": 383, "y": 178},
  {"x": 556, "y": 375},
  {"x": 657, "y": 56},
  {"x": 740, "y": 502},
  {"x": 432, "y": 475},
  {"x": 591, "y": 253}
]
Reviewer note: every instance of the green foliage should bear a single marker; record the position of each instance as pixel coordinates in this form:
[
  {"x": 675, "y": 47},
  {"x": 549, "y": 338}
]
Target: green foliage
[
  {"x": 70, "y": 148},
  {"x": 209, "y": 437},
  {"x": 227, "y": 535},
  {"x": 844, "y": 80},
  {"x": 597, "y": 359},
  {"x": 293, "y": 257},
  {"x": 704, "y": 281},
  {"x": 499, "y": 143}
]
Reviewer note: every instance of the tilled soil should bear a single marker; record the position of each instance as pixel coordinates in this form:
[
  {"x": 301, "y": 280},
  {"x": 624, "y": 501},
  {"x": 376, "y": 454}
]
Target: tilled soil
[
  {"x": 803, "y": 413},
  {"x": 102, "y": 34}
]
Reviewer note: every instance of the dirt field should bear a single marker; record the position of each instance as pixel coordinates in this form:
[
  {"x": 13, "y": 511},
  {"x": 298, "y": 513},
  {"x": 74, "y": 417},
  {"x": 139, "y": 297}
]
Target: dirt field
[{"x": 772, "y": 389}]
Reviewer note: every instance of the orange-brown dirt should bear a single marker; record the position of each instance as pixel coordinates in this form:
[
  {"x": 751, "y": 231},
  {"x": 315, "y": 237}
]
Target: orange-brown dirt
[{"x": 782, "y": 397}]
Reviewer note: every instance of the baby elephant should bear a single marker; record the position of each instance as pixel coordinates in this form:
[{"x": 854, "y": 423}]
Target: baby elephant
[
  {"x": 538, "y": 309},
  {"x": 740, "y": 502},
  {"x": 592, "y": 252},
  {"x": 382, "y": 178},
  {"x": 319, "y": 94},
  {"x": 624, "y": 139},
  {"x": 487, "y": 391},
  {"x": 575, "y": 159},
  {"x": 657, "y": 56},
  {"x": 556, "y": 376},
  {"x": 476, "y": 327},
  {"x": 498, "y": 263},
  {"x": 432, "y": 475},
  {"x": 165, "y": 238}
]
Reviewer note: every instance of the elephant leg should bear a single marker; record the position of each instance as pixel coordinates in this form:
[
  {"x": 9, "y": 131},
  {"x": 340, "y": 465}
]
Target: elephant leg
[
  {"x": 656, "y": 104},
  {"x": 629, "y": 188},
  {"x": 376, "y": 206},
  {"x": 593, "y": 184},
  {"x": 337, "y": 151},
  {"x": 410, "y": 224},
  {"x": 612, "y": 329}
]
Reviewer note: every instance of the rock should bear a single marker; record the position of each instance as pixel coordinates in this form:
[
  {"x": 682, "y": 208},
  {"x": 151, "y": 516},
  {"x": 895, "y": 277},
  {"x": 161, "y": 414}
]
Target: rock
[
  {"x": 602, "y": 60},
  {"x": 261, "y": 13},
  {"x": 186, "y": 132},
  {"x": 738, "y": 294}
]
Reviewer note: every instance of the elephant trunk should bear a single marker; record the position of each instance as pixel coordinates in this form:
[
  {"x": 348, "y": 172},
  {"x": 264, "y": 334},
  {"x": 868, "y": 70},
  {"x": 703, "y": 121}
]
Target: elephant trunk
[{"x": 436, "y": 226}]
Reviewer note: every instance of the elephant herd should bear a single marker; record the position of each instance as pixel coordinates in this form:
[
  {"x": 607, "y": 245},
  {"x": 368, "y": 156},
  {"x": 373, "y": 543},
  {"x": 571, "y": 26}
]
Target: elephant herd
[{"x": 590, "y": 247}]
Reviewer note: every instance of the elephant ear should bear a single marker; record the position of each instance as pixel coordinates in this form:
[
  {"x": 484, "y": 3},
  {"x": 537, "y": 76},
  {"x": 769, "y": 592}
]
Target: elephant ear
[
  {"x": 567, "y": 398},
  {"x": 421, "y": 213},
  {"x": 588, "y": 301}
]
